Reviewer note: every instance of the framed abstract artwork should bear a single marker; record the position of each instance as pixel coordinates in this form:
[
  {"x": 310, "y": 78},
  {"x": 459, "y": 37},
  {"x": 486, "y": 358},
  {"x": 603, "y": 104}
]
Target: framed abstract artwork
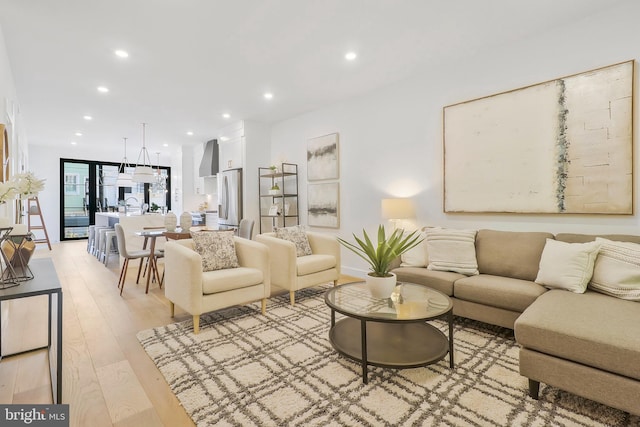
[
  {"x": 562, "y": 146},
  {"x": 323, "y": 205},
  {"x": 322, "y": 158}
]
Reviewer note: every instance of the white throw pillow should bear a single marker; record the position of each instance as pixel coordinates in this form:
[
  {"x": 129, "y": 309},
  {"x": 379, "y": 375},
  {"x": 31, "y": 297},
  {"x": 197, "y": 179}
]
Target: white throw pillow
[
  {"x": 452, "y": 250},
  {"x": 567, "y": 265},
  {"x": 416, "y": 256},
  {"x": 617, "y": 270}
]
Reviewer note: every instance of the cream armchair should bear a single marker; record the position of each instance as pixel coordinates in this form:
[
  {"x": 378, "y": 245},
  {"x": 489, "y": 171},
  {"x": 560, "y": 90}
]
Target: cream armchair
[
  {"x": 197, "y": 292},
  {"x": 292, "y": 273}
]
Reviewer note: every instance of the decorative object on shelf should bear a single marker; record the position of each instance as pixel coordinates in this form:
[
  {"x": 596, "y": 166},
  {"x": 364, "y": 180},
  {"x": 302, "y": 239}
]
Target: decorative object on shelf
[
  {"x": 322, "y": 158},
  {"x": 581, "y": 139},
  {"x": 143, "y": 173},
  {"x": 275, "y": 190},
  {"x": 124, "y": 177},
  {"x": 379, "y": 256},
  {"x": 185, "y": 221},
  {"x": 170, "y": 221}
]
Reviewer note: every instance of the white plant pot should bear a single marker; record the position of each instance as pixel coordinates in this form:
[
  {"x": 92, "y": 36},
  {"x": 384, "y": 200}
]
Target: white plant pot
[{"x": 381, "y": 287}]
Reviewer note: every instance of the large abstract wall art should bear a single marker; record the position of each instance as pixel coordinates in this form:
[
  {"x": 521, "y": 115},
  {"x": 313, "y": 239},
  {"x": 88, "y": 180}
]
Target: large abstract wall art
[{"x": 563, "y": 146}]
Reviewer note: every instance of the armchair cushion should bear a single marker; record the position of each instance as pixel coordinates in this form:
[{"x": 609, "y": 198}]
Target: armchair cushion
[
  {"x": 229, "y": 279},
  {"x": 217, "y": 249},
  {"x": 310, "y": 264},
  {"x": 298, "y": 236}
]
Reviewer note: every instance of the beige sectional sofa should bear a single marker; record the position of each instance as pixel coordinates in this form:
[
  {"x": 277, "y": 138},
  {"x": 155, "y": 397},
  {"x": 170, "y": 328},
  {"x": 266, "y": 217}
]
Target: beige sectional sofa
[{"x": 587, "y": 344}]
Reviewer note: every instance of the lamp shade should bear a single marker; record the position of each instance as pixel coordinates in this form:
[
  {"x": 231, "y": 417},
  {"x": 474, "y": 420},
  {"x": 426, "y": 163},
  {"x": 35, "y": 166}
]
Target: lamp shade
[
  {"x": 124, "y": 180},
  {"x": 143, "y": 174},
  {"x": 398, "y": 209}
]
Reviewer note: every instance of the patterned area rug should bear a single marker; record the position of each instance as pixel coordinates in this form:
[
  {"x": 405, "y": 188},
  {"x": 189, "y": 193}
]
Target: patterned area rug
[{"x": 280, "y": 370}]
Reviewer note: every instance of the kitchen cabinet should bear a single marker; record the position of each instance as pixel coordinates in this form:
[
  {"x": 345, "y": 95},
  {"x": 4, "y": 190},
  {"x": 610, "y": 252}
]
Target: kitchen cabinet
[{"x": 278, "y": 207}]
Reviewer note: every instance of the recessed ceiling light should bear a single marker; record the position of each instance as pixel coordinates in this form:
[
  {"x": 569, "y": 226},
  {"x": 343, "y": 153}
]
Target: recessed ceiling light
[
  {"x": 226, "y": 115},
  {"x": 268, "y": 95},
  {"x": 350, "y": 56},
  {"x": 224, "y": 138},
  {"x": 103, "y": 89},
  {"x": 78, "y": 134},
  {"x": 87, "y": 117},
  {"x": 189, "y": 133},
  {"x": 122, "y": 53},
  {"x": 165, "y": 145},
  {"x": 73, "y": 143}
]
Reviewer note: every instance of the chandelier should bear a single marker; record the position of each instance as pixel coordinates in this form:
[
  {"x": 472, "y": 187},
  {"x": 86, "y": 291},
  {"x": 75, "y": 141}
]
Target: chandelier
[
  {"x": 143, "y": 173},
  {"x": 159, "y": 185}
]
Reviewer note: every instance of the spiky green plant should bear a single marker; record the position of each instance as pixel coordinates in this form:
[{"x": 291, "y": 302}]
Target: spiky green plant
[{"x": 380, "y": 255}]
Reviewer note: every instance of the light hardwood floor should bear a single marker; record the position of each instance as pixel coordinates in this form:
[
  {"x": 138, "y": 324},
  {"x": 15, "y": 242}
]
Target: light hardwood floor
[{"x": 107, "y": 378}]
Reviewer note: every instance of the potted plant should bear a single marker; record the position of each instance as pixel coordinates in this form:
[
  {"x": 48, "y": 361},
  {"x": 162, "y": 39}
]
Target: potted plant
[
  {"x": 275, "y": 189},
  {"x": 379, "y": 256}
]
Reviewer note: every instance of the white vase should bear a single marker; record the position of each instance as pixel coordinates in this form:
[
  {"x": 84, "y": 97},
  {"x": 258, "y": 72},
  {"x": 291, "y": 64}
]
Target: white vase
[
  {"x": 185, "y": 221},
  {"x": 170, "y": 221},
  {"x": 381, "y": 287}
]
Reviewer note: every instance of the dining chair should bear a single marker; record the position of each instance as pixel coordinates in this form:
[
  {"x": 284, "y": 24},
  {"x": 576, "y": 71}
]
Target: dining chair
[
  {"x": 245, "y": 229},
  {"x": 128, "y": 255}
]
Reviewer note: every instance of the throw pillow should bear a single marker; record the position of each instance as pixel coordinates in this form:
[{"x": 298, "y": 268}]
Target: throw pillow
[
  {"x": 416, "y": 256},
  {"x": 617, "y": 270},
  {"x": 452, "y": 250},
  {"x": 567, "y": 265},
  {"x": 298, "y": 236},
  {"x": 217, "y": 249}
]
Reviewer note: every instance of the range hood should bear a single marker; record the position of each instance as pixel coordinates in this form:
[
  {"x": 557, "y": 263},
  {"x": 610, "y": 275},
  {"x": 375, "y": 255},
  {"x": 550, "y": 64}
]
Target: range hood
[{"x": 209, "y": 165}]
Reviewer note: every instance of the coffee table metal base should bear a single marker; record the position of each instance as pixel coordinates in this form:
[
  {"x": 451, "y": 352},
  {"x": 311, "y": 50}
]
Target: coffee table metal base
[{"x": 389, "y": 345}]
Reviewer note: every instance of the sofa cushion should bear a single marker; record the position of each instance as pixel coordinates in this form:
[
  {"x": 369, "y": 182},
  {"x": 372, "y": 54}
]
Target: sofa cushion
[
  {"x": 416, "y": 256},
  {"x": 438, "y": 280},
  {"x": 217, "y": 249},
  {"x": 591, "y": 328},
  {"x": 229, "y": 279},
  {"x": 497, "y": 291},
  {"x": 617, "y": 270},
  {"x": 310, "y": 264},
  {"x": 510, "y": 253},
  {"x": 581, "y": 238},
  {"x": 567, "y": 265},
  {"x": 452, "y": 250}
]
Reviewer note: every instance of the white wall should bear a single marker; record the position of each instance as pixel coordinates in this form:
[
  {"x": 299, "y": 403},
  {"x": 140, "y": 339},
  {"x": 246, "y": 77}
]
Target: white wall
[{"x": 391, "y": 140}]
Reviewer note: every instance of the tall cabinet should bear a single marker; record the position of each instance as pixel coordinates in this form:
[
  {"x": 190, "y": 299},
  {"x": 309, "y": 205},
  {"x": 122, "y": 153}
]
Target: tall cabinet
[{"x": 278, "y": 189}]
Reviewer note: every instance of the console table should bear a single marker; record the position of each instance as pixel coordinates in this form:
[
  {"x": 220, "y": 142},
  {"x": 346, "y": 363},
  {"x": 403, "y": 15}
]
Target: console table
[{"x": 45, "y": 282}]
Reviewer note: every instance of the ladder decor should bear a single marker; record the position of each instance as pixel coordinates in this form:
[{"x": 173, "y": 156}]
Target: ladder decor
[{"x": 34, "y": 210}]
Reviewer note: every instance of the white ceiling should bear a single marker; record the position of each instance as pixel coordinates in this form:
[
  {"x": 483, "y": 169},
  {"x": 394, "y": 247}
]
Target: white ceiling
[{"x": 192, "y": 60}]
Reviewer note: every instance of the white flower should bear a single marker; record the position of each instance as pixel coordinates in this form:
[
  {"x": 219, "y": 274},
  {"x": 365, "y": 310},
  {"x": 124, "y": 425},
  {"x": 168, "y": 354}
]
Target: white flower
[
  {"x": 27, "y": 185},
  {"x": 7, "y": 191}
]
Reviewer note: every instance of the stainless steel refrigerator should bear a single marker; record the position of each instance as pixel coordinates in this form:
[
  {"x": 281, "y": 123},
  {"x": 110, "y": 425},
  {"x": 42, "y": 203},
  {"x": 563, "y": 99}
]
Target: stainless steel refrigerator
[{"x": 229, "y": 198}]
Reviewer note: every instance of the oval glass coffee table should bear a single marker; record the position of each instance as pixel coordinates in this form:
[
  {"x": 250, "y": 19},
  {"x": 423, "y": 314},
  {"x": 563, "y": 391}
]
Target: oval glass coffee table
[{"x": 381, "y": 332}]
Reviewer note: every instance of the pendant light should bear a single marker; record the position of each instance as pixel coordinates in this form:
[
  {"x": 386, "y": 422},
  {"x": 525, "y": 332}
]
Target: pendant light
[
  {"x": 124, "y": 178},
  {"x": 160, "y": 183},
  {"x": 143, "y": 173}
]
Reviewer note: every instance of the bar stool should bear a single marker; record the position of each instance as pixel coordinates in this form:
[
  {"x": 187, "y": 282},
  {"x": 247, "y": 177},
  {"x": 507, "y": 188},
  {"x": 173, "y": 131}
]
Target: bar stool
[
  {"x": 110, "y": 245},
  {"x": 102, "y": 243},
  {"x": 95, "y": 243},
  {"x": 91, "y": 239}
]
